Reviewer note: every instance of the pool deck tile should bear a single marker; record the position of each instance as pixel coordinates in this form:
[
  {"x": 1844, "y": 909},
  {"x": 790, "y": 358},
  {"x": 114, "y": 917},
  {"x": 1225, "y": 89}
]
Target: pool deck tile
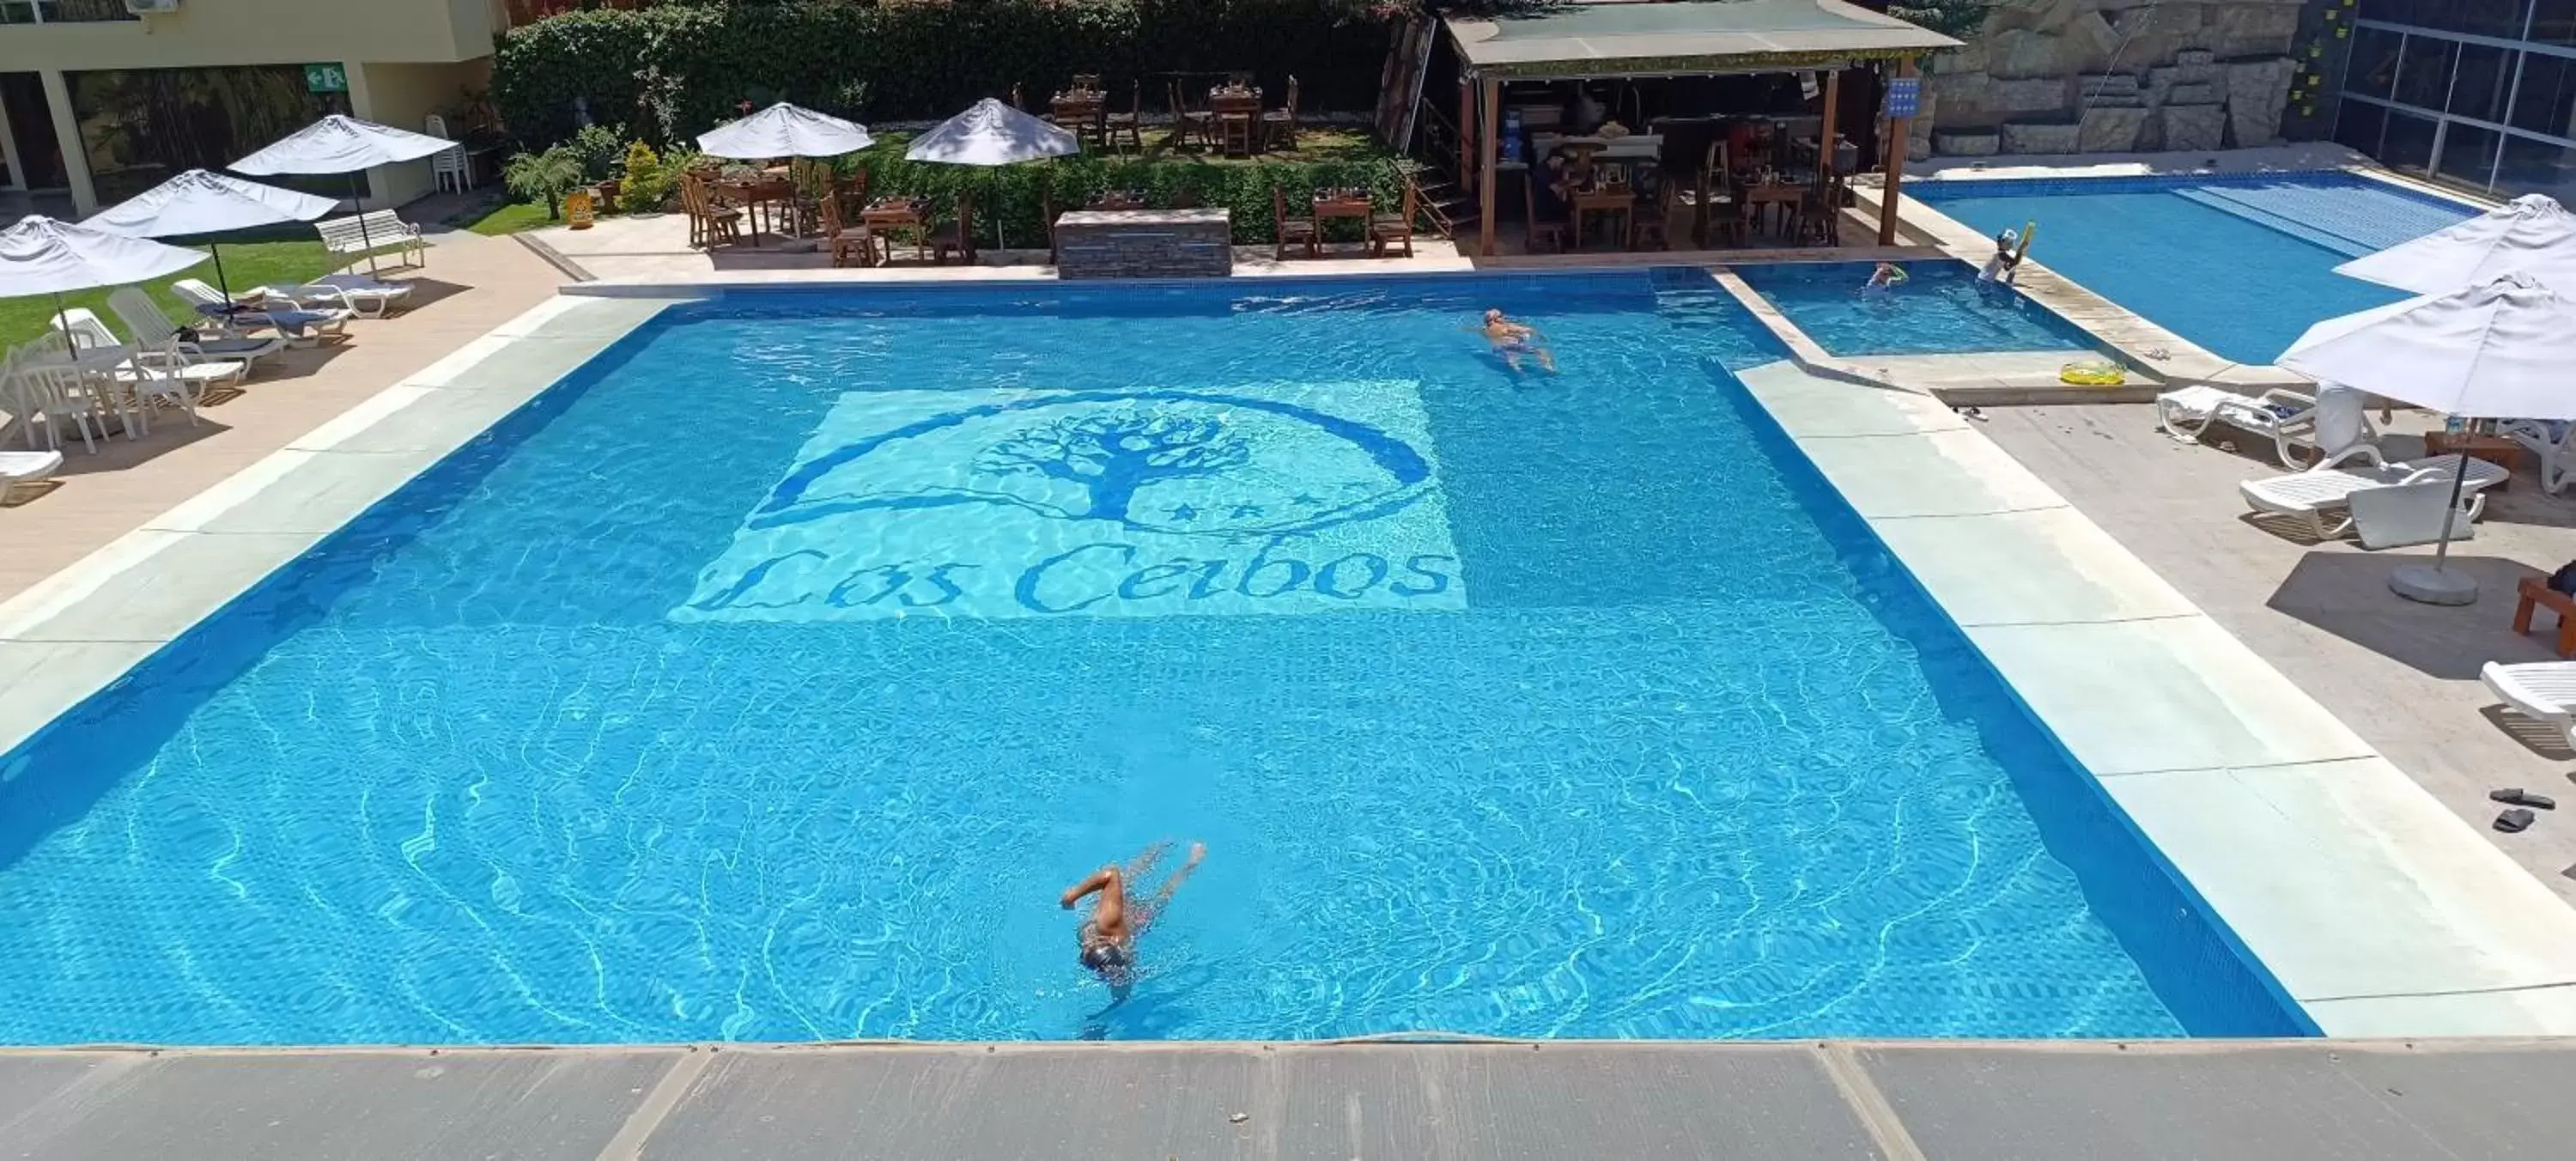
[
  {"x": 2174, "y": 693},
  {"x": 2355, "y": 887},
  {"x": 189, "y": 578},
  {"x": 2451, "y": 916},
  {"x": 313, "y": 493},
  {"x": 2043, "y": 566}
]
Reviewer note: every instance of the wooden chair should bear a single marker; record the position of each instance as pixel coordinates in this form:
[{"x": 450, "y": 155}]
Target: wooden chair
[
  {"x": 1127, "y": 129},
  {"x": 1279, "y": 126},
  {"x": 1552, "y": 232},
  {"x": 957, "y": 237},
  {"x": 842, "y": 241},
  {"x": 1238, "y": 123},
  {"x": 709, "y": 225},
  {"x": 1386, "y": 230},
  {"x": 1300, "y": 231},
  {"x": 1190, "y": 125}
]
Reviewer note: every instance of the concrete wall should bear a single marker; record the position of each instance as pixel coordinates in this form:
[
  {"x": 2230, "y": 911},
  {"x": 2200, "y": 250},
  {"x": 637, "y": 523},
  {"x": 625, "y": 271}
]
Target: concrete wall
[
  {"x": 403, "y": 95},
  {"x": 2115, "y": 76},
  {"x": 230, "y": 32}
]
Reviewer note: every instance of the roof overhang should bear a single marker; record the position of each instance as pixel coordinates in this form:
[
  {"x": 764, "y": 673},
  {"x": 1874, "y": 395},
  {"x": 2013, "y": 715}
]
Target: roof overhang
[{"x": 1686, "y": 38}]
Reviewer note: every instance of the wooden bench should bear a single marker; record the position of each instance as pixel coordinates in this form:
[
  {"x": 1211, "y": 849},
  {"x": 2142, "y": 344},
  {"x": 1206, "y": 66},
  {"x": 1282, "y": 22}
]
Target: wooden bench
[
  {"x": 2537, "y": 593},
  {"x": 373, "y": 231}
]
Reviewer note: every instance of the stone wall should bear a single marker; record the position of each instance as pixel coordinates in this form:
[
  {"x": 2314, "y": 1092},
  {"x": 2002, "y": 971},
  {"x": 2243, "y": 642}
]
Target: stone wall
[{"x": 2115, "y": 76}]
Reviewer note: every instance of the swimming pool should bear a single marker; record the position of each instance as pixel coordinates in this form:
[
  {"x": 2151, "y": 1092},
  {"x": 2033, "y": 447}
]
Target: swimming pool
[
  {"x": 2240, "y": 265},
  {"x": 769, "y": 677},
  {"x": 1940, "y": 309}
]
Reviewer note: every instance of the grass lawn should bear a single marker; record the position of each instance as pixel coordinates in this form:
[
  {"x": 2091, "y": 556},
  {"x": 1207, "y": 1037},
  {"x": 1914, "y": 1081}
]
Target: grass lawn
[
  {"x": 509, "y": 218},
  {"x": 246, "y": 264}
]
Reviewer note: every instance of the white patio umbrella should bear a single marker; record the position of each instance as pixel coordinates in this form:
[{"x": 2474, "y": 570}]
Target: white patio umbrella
[
  {"x": 2531, "y": 234},
  {"x": 784, "y": 130},
  {"x": 991, "y": 133},
  {"x": 2499, "y": 350},
  {"x": 199, "y": 202},
  {"x": 342, "y": 144},
  {"x": 42, "y": 256}
]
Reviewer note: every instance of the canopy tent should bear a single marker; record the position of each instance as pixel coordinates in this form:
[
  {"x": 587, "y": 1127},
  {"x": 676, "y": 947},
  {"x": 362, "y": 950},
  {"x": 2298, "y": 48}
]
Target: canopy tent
[
  {"x": 990, "y": 133},
  {"x": 198, "y": 203},
  {"x": 2499, "y": 350},
  {"x": 42, "y": 256},
  {"x": 1682, "y": 38},
  {"x": 784, "y": 130},
  {"x": 342, "y": 144},
  {"x": 2531, "y": 234}
]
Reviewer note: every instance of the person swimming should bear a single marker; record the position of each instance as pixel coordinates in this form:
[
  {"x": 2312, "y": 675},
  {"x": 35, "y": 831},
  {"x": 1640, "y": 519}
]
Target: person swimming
[
  {"x": 1887, "y": 276},
  {"x": 1107, "y": 937},
  {"x": 2007, "y": 260},
  {"x": 1512, "y": 340}
]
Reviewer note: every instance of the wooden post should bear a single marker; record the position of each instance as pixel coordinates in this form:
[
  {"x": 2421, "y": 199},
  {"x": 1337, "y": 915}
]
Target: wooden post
[
  {"x": 1898, "y": 129},
  {"x": 1489, "y": 142},
  {"x": 1466, "y": 132},
  {"x": 1825, "y": 138}
]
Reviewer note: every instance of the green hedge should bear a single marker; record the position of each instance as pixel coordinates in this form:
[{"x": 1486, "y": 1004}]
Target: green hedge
[
  {"x": 675, "y": 71},
  {"x": 1018, "y": 194}
]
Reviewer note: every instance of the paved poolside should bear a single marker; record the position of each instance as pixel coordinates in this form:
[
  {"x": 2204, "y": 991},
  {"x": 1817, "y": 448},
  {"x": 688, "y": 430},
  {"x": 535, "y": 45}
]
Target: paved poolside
[{"x": 2215, "y": 1100}]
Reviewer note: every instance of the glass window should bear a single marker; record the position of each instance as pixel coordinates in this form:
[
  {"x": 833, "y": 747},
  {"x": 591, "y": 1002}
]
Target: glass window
[
  {"x": 139, "y": 126},
  {"x": 2554, "y": 21},
  {"x": 2408, "y": 143},
  {"x": 2482, "y": 17},
  {"x": 2373, "y": 71},
  {"x": 2545, "y": 102},
  {"x": 2425, "y": 78},
  {"x": 2358, "y": 125},
  {"x": 2537, "y": 167},
  {"x": 2468, "y": 154},
  {"x": 2484, "y": 79}
]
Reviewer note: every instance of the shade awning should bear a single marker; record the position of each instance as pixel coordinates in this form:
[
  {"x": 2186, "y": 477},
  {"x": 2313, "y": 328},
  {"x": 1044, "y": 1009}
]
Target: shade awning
[
  {"x": 784, "y": 130},
  {"x": 339, "y": 144},
  {"x": 200, "y": 202},
  {"x": 992, "y": 133},
  {"x": 1691, "y": 36}
]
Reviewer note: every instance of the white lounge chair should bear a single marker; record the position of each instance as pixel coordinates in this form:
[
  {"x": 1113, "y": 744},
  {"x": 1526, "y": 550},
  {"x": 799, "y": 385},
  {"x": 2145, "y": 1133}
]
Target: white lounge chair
[
  {"x": 2333, "y": 423},
  {"x": 2554, "y": 442},
  {"x": 152, "y": 330},
  {"x": 2322, "y": 497},
  {"x": 356, "y": 293},
  {"x": 2544, "y": 691},
  {"x": 297, "y": 327},
  {"x": 2403, "y": 515},
  {"x": 26, "y": 467}
]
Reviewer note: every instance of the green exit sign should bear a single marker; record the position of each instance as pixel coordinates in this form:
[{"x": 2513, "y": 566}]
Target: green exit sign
[{"x": 326, "y": 78}]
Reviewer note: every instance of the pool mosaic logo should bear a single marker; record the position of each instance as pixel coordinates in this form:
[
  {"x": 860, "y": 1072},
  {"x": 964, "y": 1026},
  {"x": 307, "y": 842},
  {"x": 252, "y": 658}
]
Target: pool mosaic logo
[{"x": 1269, "y": 499}]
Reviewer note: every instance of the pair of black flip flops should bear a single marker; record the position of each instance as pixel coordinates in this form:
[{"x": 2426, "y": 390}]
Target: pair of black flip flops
[{"x": 2518, "y": 820}]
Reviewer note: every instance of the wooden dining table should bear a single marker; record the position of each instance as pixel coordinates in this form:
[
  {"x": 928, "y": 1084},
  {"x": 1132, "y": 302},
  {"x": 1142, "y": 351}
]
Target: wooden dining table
[
  {"x": 1768, "y": 194},
  {"x": 1334, "y": 206},
  {"x": 752, "y": 194},
  {"x": 1079, "y": 110},
  {"x": 888, "y": 215},
  {"x": 1618, "y": 200}
]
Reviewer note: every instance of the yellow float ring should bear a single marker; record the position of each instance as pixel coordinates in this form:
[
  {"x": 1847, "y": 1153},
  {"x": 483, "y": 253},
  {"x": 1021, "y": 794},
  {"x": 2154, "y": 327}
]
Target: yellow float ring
[{"x": 2099, "y": 374}]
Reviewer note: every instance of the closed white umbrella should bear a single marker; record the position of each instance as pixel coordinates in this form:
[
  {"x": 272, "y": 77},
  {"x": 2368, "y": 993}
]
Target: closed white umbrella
[
  {"x": 42, "y": 256},
  {"x": 784, "y": 130},
  {"x": 342, "y": 144},
  {"x": 990, "y": 133},
  {"x": 198, "y": 203},
  {"x": 2499, "y": 350},
  {"x": 2531, "y": 234}
]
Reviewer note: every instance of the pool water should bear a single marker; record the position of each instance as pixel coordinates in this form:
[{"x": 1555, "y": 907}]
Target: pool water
[
  {"x": 2238, "y": 265},
  {"x": 769, "y": 678},
  {"x": 1940, "y": 309}
]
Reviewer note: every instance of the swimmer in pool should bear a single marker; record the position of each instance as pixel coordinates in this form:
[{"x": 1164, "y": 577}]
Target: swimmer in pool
[
  {"x": 1108, "y": 936},
  {"x": 1512, "y": 340},
  {"x": 1887, "y": 276},
  {"x": 2005, "y": 264}
]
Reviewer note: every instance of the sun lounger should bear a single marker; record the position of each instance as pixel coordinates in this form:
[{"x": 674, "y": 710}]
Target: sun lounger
[
  {"x": 2409, "y": 514},
  {"x": 2543, "y": 691},
  {"x": 26, "y": 467},
  {"x": 300, "y": 328},
  {"x": 151, "y": 328},
  {"x": 161, "y": 356},
  {"x": 2322, "y": 497},
  {"x": 2333, "y": 423},
  {"x": 2548, "y": 439},
  {"x": 356, "y": 293}
]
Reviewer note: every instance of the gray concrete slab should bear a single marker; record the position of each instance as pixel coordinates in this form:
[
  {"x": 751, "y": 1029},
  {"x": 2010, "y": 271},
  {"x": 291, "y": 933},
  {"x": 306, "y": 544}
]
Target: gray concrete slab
[
  {"x": 540, "y": 1106},
  {"x": 187, "y": 579},
  {"x": 2260, "y": 1104},
  {"x": 32, "y": 1083}
]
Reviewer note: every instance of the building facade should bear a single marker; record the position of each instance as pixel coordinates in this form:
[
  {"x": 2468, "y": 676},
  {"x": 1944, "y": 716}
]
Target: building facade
[
  {"x": 2475, "y": 93},
  {"x": 104, "y": 98}
]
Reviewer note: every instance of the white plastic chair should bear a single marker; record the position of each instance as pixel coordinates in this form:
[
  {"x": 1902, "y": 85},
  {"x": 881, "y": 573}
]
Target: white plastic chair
[
  {"x": 2333, "y": 423},
  {"x": 2544, "y": 691},
  {"x": 52, "y": 392},
  {"x": 2554, "y": 442},
  {"x": 2322, "y": 496}
]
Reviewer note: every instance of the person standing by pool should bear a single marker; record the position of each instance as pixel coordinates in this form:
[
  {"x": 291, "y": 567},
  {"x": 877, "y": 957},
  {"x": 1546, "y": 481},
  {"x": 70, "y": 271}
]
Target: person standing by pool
[
  {"x": 2006, "y": 262},
  {"x": 1512, "y": 340},
  {"x": 1107, "y": 936}
]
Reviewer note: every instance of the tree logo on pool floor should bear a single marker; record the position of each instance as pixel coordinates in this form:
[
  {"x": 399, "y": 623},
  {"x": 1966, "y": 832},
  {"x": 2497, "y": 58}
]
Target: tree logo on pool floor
[{"x": 1134, "y": 502}]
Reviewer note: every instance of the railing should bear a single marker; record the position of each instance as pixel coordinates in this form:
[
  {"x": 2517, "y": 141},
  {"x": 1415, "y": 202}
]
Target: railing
[
  {"x": 529, "y": 11},
  {"x": 62, "y": 11}
]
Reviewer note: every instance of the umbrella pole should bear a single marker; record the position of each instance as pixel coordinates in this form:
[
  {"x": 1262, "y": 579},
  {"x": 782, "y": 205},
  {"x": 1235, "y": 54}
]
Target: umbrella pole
[
  {"x": 69, "y": 348},
  {"x": 358, "y": 198},
  {"x": 2459, "y": 479},
  {"x": 226, "y": 284},
  {"x": 2438, "y": 585}
]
